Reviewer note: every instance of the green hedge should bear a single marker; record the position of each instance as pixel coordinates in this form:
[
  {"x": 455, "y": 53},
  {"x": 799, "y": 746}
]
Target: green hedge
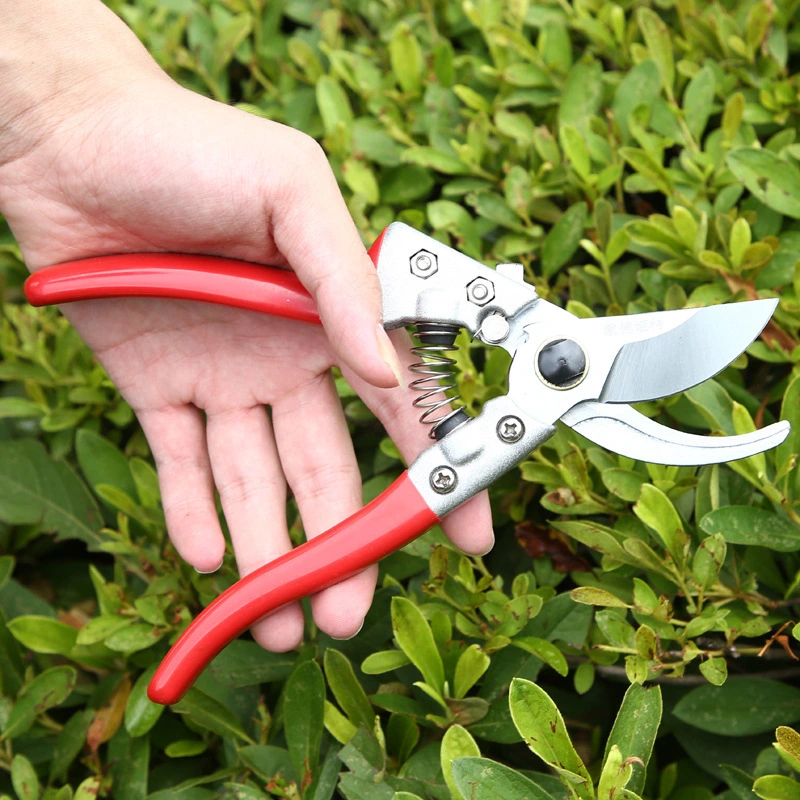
[{"x": 634, "y": 625}]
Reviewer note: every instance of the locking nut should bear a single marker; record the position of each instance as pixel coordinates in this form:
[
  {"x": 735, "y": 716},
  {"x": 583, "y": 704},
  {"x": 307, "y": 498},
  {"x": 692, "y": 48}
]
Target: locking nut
[
  {"x": 424, "y": 264},
  {"x": 480, "y": 291}
]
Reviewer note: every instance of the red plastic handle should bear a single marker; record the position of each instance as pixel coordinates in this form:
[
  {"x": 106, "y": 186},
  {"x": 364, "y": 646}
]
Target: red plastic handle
[
  {"x": 208, "y": 279},
  {"x": 181, "y": 277},
  {"x": 389, "y": 522}
]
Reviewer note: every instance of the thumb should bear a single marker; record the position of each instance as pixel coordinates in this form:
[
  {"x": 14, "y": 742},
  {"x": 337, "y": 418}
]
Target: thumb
[{"x": 314, "y": 231}]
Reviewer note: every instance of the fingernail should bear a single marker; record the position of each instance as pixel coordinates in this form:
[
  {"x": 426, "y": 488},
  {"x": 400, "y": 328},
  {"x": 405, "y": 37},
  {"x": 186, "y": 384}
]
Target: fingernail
[
  {"x": 348, "y": 638},
  {"x": 208, "y": 571},
  {"x": 388, "y": 354}
]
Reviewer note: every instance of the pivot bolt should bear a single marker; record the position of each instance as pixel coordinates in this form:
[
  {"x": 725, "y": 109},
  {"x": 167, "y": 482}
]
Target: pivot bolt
[
  {"x": 443, "y": 480},
  {"x": 480, "y": 291},
  {"x": 494, "y": 329},
  {"x": 510, "y": 429},
  {"x": 424, "y": 264},
  {"x": 561, "y": 364}
]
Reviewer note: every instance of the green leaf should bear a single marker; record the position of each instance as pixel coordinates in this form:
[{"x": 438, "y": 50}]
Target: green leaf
[
  {"x": 349, "y": 693},
  {"x": 777, "y": 787},
  {"x": 484, "y": 779},
  {"x": 43, "y": 634},
  {"x": 640, "y": 87},
  {"x": 708, "y": 560},
  {"x": 24, "y": 779},
  {"x": 576, "y": 151},
  {"x": 752, "y": 526},
  {"x": 405, "y": 56},
  {"x": 133, "y": 638},
  {"x": 624, "y": 483},
  {"x": 141, "y": 713},
  {"x": 581, "y": 95},
  {"x": 304, "y": 713},
  {"x": 268, "y": 762},
  {"x": 19, "y": 408},
  {"x": 789, "y": 745},
  {"x": 100, "y": 628},
  {"x": 361, "y": 179},
  {"x": 45, "y": 691},
  {"x": 440, "y": 160},
  {"x": 6, "y": 569},
  {"x": 564, "y": 238},
  {"x": 655, "y": 509},
  {"x": 185, "y": 748},
  {"x": 541, "y": 726},
  {"x": 36, "y": 489},
  {"x": 413, "y": 635},
  {"x": 584, "y": 676},
  {"x": 130, "y": 761},
  {"x": 102, "y": 463},
  {"x": 402, "y": 736},
  {"x": 471, "y": 665},
  {"x": 741, "y": 707},
  {"x": 228, "y": 39},
  {"x": 208, "y": 713},
  {"x": 404, "y": 184},
  {"x": 69, "y": 743},
  {"x": 544, "y": 650},
  {"x": 715, "y": 670},
  {"x": 457, "y": 743},
  {"x": 698, "y": 100},
  {"x": 659, "y": 43},
  {"x": 595, "y": 596},
  {"x": 775, "y": 182},
  {"x": 384, "y": 661},
  {"x": 517, "y": 126},
  {"x": 90, "y": 789},
  {"x": 337, "y": 724},
  {"x": 244, "y": 663},
  {"x": 334, "y": 106},
  {"x": 650, "y": 169},
  {"x": 635, "y": 730}
]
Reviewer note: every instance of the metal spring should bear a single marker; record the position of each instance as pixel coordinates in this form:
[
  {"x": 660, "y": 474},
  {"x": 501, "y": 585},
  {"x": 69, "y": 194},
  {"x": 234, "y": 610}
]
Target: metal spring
[{"x": 437, "y": 371}]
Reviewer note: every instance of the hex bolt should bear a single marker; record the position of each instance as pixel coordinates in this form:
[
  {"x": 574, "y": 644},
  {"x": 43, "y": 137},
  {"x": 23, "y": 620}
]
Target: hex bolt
[
  {"x": 424, "y": 264},
  {"x": 510, "y": 429},
  {"x": 443, "y": 480},
  {"x": 480, "y": 291}
]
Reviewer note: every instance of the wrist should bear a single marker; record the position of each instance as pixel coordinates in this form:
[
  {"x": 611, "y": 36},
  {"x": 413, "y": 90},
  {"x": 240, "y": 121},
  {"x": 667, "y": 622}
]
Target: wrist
[{"x": 58, "y": 61}]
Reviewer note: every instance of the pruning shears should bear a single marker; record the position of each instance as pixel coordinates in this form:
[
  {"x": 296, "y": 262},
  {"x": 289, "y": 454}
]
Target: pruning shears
[{"x": 583, "y": 372}]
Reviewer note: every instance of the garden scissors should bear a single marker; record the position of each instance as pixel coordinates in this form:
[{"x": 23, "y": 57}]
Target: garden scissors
[{"x": 583, "y": 372}]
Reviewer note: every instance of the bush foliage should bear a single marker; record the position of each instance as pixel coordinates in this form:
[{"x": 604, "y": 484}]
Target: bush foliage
[{"x": 632, "y": 634}]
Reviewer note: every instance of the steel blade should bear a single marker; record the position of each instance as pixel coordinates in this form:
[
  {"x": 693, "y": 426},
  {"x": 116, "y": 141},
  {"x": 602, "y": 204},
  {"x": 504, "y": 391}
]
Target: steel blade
[
  {"x": 624, "y": 430},
  {"x": 697, "y": 349}
]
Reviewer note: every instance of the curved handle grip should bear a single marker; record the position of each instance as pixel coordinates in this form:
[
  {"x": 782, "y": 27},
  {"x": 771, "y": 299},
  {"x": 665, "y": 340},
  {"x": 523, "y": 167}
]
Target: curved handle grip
[
  {"x": 389, "y": 522},
  {"x": 208, "y": 279}
]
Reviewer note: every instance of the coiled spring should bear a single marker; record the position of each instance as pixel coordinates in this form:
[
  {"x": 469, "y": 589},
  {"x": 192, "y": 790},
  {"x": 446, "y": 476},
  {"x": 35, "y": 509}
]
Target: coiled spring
[{"x": 437, "y": 371}]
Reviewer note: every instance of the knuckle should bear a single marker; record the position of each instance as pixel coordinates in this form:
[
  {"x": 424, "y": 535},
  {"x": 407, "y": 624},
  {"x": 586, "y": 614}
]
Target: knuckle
[{"x": 326, "y": 482}]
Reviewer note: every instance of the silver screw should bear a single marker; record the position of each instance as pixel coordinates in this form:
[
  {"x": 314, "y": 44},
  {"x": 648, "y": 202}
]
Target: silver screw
[
  {"x": 480, "y": 291},
  {"x": 510, "y": 429},
  {"x": 424, "y": 264},
  {"x": 443, "y": 480}
]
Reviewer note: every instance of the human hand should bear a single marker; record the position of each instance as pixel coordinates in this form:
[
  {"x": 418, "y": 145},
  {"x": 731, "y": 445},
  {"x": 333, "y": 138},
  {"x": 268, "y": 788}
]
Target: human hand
[{"x": 125, "y": 160}]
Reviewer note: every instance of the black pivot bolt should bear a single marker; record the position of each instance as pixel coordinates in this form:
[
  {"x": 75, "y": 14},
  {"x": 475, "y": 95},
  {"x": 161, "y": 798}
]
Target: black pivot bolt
[{"x": 562, "y": 363}]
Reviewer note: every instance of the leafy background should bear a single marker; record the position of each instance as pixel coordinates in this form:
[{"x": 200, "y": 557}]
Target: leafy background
[{"x": 633, "y": 632}]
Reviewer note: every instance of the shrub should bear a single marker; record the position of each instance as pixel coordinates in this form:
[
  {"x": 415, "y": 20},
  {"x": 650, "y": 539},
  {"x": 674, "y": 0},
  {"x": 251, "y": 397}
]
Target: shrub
[{"x": 633, "y": 159}]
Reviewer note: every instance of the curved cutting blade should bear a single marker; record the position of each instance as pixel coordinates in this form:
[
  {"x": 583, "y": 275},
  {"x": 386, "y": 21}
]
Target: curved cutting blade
[
  {"x": 702, "y": 343},
  {"x": 624, "y": 430}
]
